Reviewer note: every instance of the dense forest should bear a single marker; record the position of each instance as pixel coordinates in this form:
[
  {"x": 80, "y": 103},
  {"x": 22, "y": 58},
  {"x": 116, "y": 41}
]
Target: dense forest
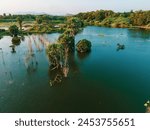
[{"x": 112, "y": 19}]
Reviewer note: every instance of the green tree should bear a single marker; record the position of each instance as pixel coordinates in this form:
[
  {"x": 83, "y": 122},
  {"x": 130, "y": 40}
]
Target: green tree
[
  {"x": 67, "y": 40},
  {"x": 45, "y": 18},
  {"x": 14, "y": 31},
  {"x": 20, "y": 21},
  {"x": 38, "y": 20},
  {"x": 74, "y": 22},
  {"x": 83, "y": 46},
  {"x": 55, "y": 54}
]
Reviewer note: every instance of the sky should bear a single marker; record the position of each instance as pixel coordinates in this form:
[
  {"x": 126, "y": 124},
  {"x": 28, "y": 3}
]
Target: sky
[{"x": 62, "y": 7}]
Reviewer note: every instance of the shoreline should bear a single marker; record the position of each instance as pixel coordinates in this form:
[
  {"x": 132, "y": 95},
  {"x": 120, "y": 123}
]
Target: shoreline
[{"x": 25, "y": 32}]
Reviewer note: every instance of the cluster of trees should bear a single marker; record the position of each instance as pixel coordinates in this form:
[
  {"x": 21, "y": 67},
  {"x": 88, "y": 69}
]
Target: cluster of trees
[
  {"x": 140, "y": 18},
  {"x": 66, "y": 43},
  {"x": 112, "y": 19},
  {"x": 73, "y": 26}
]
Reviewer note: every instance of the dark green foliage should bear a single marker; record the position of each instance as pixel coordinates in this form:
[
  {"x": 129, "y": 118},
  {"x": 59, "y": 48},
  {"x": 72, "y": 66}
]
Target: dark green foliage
[
  {"x": 98, "y": 15},
  {"x": 29, "y": 17},
  {"x": 20, "y": 20},
  {"x": 55, "y": 54},
  {"x": 39, "y": 20},
  {"x": 1, "y": 36},
  {"x": 140, "y": 18},
  {"x": 3, "y": 33},
  {"x": 74, "y": 24},
  {"x": 67, "y": 40},
  {"x": 14, "y": 31},
  {"x": 16, "y": 41},
  {"x": 112, "y": 19},
  {"x": 83, "y": 46}
]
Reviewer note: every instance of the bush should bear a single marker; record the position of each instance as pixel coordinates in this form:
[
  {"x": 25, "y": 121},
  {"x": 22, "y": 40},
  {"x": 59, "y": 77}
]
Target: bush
[{"x": 83, "y": 46}]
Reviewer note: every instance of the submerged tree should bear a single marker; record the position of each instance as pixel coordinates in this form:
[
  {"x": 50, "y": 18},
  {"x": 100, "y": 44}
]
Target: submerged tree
[
  {"x": 14, "y": 31},
  {"x": 58, "y": 56},
  {"x": 55, "y": 54},
  {"x": 83, "y": 46},
  {"x": 67, "y": 40}
]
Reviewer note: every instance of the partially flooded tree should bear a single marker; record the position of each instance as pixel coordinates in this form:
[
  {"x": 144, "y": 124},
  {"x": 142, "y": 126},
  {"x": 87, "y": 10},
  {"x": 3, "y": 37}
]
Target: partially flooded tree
[
  {"x": 67, "y": 39},
  {"x": 14, "y": 31},
  {"x": 83, "y": 46},
  {"x": 55, "y": 55},
  {"x": 58, "y": 56}
]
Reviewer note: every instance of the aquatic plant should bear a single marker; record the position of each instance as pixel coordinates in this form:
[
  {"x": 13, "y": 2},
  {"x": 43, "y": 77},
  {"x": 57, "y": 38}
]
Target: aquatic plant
[{"x": 83, "y": 46}]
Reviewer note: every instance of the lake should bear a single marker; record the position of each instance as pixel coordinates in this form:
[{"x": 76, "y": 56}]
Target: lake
[{"x": 104, "y": 80}]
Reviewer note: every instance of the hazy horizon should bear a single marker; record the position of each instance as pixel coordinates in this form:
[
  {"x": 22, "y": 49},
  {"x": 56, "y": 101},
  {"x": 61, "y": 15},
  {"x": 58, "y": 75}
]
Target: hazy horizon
[{"x": 64, "y": 7}]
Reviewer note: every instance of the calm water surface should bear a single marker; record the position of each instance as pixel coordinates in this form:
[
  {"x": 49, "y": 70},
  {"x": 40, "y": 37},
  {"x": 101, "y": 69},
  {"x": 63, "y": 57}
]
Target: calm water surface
[{"x": 105, "y": 80}]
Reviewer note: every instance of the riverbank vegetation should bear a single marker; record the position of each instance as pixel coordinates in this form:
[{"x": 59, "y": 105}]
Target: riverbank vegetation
[
  {"x": 49, "y": 24},
  {"x": 33, "y": 23},
  {"x": 109, "y": 18}
]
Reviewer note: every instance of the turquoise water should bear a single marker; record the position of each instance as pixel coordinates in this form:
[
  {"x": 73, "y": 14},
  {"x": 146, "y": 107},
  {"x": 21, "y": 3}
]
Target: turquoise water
[{"x": 104, "y": 80}]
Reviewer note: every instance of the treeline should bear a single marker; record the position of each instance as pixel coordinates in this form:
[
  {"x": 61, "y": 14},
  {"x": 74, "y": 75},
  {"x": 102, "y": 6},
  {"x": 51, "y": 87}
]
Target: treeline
[
  {"x": 112, "y": 19},
  {"x": 29, "y": 17}
]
